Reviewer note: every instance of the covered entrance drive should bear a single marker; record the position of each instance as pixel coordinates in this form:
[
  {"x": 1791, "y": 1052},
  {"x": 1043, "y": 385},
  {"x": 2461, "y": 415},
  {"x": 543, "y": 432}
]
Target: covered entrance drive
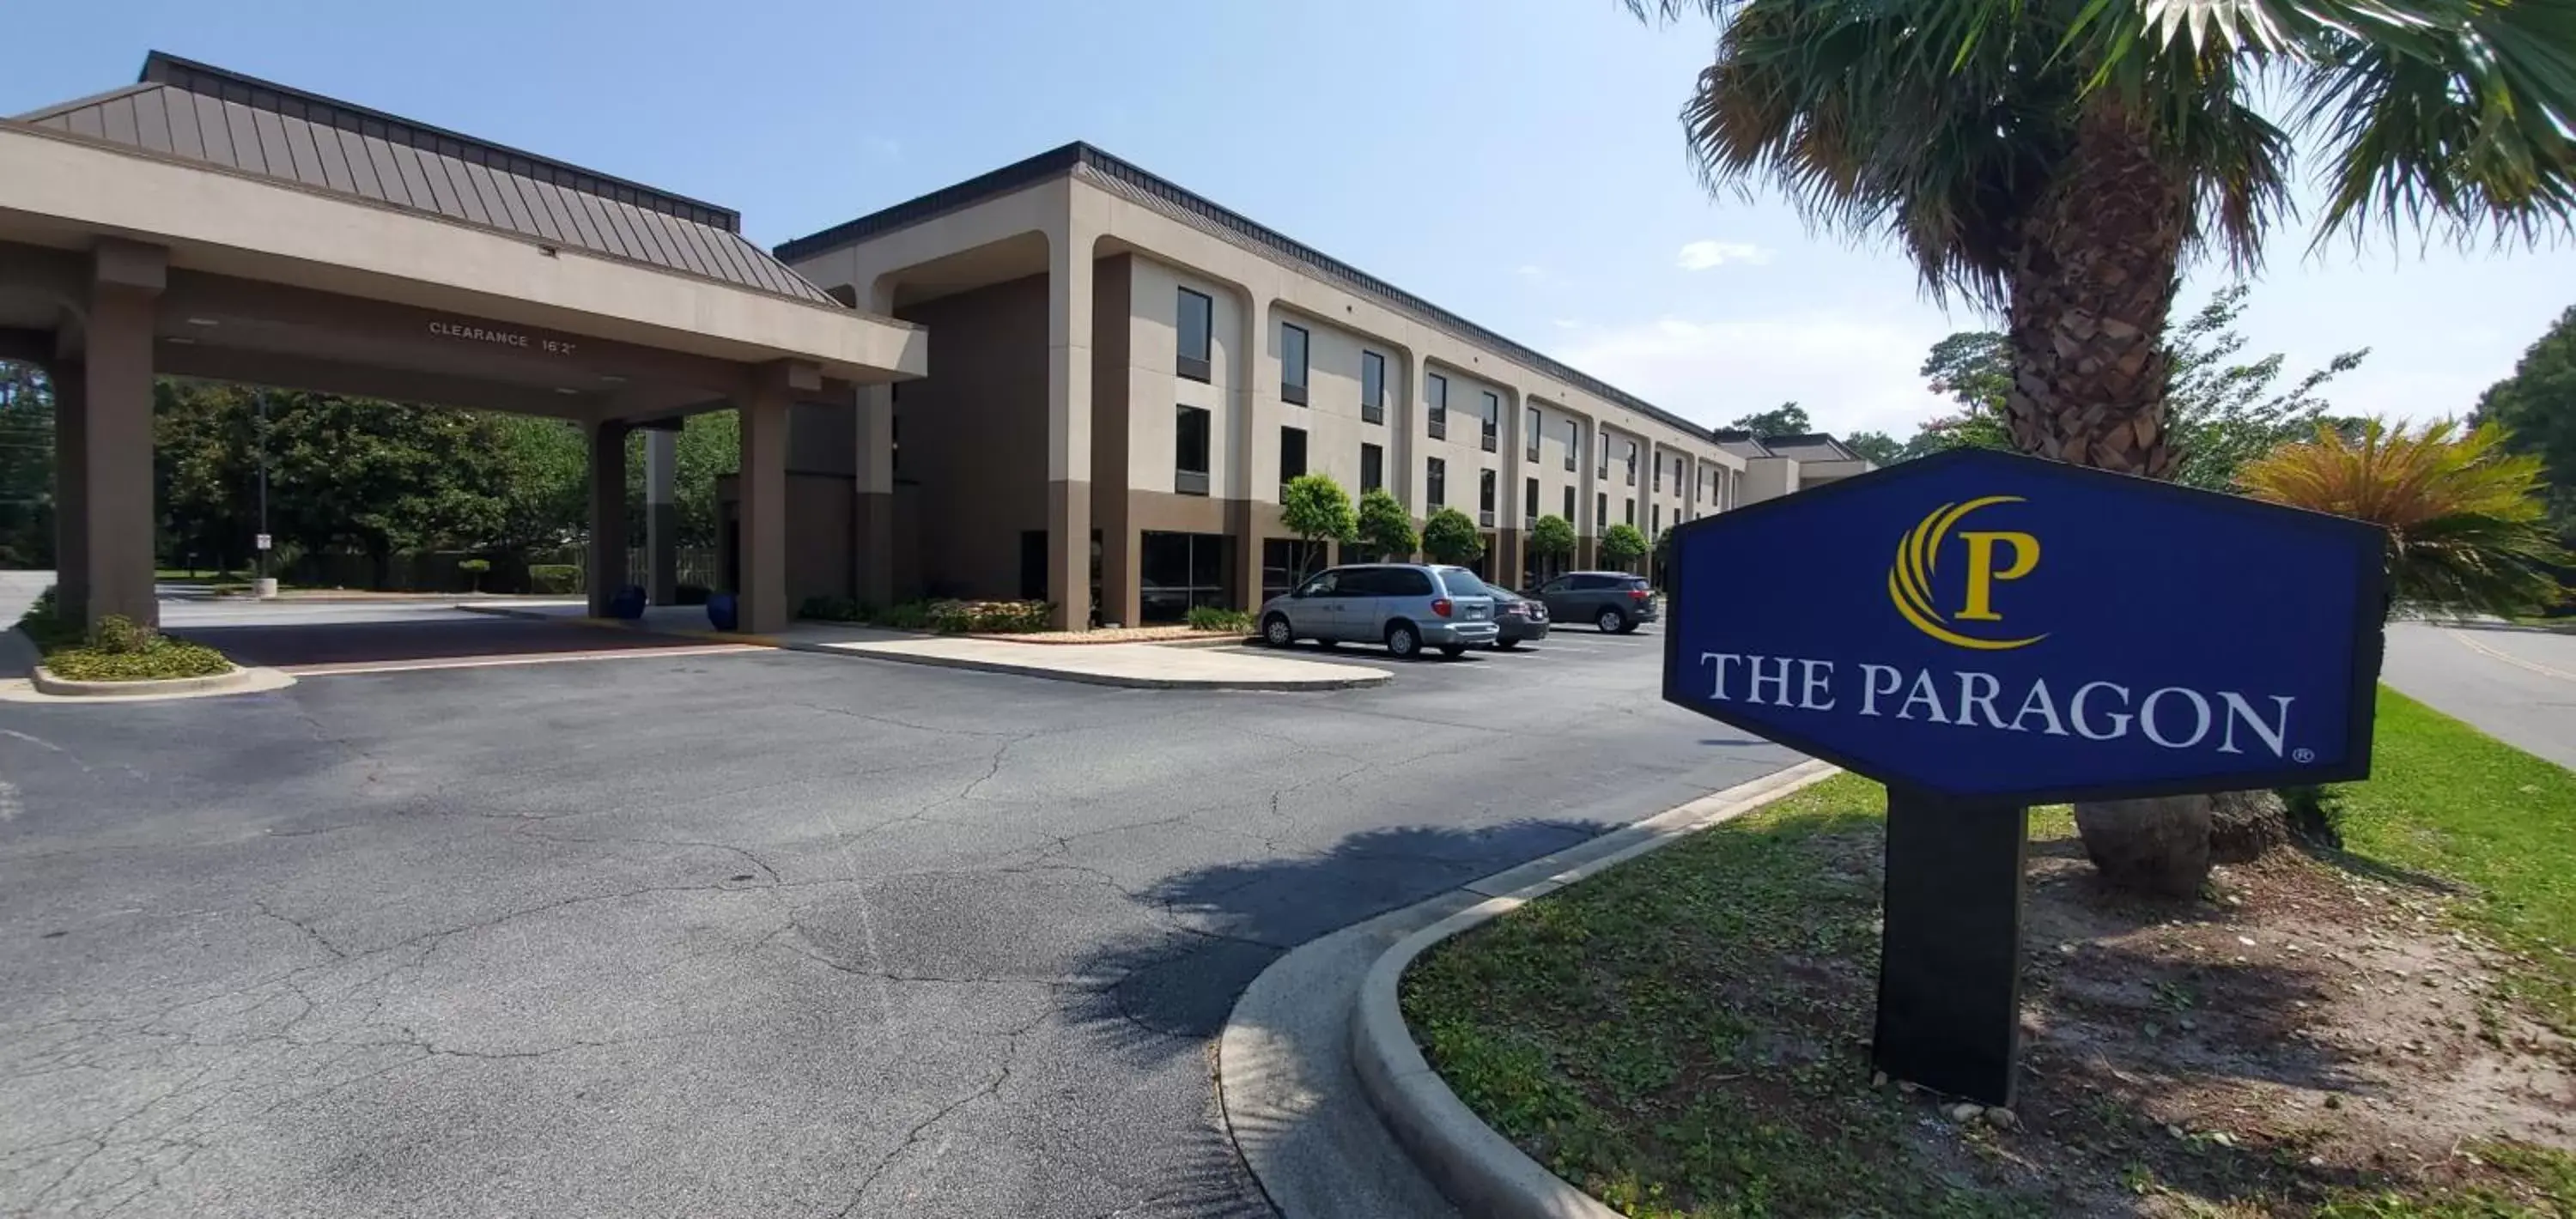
[{"x": 204, "y": 224}]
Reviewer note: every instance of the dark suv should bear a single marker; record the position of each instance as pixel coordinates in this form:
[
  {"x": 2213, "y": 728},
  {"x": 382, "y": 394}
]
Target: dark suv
[{"x": 1612, "y": 600}]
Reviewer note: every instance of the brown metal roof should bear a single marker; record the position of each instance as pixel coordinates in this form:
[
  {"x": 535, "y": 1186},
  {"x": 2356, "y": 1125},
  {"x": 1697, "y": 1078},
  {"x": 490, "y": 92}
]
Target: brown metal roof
[{"x": 200, "y": 113}]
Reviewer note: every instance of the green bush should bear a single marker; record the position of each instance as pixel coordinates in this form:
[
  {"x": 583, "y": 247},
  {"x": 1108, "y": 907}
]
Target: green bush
[
  {"x": 909, "y": 616},
  {"x": 1218, "y": 618},
  {"x": 831, "y": 609},
  {"x": 118, "y": 635},
  {"x": 45, "y": 626},
  {"x": 160, "y": 658},
  {"x": 554, "y": 578},
  {"x": 1450, "y": 536}
]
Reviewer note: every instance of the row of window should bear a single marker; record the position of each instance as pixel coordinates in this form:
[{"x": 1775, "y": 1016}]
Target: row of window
[{"x": 1197, "y": 313}]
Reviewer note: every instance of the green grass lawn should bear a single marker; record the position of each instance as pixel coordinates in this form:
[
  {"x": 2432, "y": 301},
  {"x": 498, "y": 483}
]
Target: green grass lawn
[
  {"x": 1684, "y": 1035},
  {"x": 2449, "y": 800}
]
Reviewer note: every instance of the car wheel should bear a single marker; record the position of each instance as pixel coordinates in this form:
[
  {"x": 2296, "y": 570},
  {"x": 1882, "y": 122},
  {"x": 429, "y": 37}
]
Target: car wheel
[
  {"x": 1403, "y": 642},
  {"x": 1611, "y": 621},
  {"x": 1452, "y": 651},
  {"x": 1276, "y": 632},
  {"x": 1505, "y": 645}
]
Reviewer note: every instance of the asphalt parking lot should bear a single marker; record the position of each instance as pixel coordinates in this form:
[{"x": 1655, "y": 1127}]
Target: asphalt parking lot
[{"x": 748, "y": 933}]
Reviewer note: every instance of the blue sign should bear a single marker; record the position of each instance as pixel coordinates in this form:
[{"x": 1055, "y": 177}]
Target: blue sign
[{"x": 1980, "y": 624}]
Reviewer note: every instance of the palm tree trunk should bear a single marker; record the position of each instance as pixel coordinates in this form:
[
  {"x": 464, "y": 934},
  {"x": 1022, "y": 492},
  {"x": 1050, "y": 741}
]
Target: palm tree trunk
[{"x": 2092, "y": 283}]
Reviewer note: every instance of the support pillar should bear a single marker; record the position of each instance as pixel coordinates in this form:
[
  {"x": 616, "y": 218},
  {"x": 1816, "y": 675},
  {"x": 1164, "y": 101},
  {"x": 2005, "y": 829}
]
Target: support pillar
[
  {"x": 1068, "y": 494},
  {"x": 608, "y": 525},
  {"x": 116, "y": 458},
  {"x": 763, "y": 593},
  {"x": 662, "y": 516},
  {"x": 71, "y": 483},
  {"x": 873, "y": 535}
]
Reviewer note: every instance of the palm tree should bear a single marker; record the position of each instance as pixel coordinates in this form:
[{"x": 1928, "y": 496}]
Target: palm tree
[
  {"x": 2468, "y": 530},
  {"x": 2057, "y": 160}
]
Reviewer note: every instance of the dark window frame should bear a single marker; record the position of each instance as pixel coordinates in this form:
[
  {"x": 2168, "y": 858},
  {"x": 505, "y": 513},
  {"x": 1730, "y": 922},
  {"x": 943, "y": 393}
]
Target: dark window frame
[
  {"x": 1186, "y": 481},
  {"x": 1372, "y": 399},
  {"x": 1372, "y": 473},
  {"x": 1490, "y": 428},
  {"x": 1435, "y": 484},
  {"x": 1436, "y": 405},
  {"x": 1573, "y": 444},
  {"x": 1569, "y": 505},
  {"x": 1488, "y": 494},
  {"x": 1529, "y": 500},
  {"x": 1201, "y": 366},
  {"x": 1294, "y": 391},
  {"x": 1285, "y": 475},
  {"x": 1537, "y": 429}
]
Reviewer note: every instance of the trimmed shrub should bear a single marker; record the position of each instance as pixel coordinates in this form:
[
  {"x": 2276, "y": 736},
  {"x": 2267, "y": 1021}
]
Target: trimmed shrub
[
  {"x": 831, "y": 609},
  {"x": 1218, "y": 618},
  {"x": 554, "y": 578},
  {"x": 159, "y": 659}
]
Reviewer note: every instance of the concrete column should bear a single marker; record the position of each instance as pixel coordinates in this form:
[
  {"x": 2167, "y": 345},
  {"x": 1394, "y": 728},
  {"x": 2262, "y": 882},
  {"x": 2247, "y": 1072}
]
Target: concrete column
[
  {"x": 873, "y": 537},
  {"x": 1069, "y": 319},
  {"x": 661, "y": 516},
  {"x": 764, "y": 505},
  {"x": 1587, "y": 514},
  {"x": 1510, "y": 519},
  {"x": 71, "y": 481},
  {"x": 608, "y": 526},
  {"x": 1254, "y": 374},
  {"x": 116, "y": 458}
]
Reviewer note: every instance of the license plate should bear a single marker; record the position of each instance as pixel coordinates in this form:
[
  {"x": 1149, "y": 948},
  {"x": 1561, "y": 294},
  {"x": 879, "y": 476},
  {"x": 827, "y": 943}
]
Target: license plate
[{"x": 1474, "y": 613}]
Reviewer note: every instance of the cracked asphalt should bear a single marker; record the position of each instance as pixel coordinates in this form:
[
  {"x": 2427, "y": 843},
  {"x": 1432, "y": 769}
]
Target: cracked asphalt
[{"x": 749, "y": 934}]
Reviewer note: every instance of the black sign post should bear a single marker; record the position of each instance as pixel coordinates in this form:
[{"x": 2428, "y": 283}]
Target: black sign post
[
  {"x": 1949, "y": 965},
  {"x": 1983, "y": 632}
]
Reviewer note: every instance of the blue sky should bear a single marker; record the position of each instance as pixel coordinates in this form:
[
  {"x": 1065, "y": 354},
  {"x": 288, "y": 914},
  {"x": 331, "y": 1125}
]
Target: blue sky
[{"x": 1514, "y": 160}]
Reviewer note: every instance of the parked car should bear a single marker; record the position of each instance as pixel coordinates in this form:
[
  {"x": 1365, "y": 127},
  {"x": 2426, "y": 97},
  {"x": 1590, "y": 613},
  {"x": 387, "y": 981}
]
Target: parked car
[
  {"x": 1406, "y": 606},
  {"x": 1520, "y": 619},
  {"x": 1615, "y": 601}
]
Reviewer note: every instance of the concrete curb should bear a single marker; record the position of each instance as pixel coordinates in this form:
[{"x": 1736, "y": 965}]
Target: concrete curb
[
  {"x": 1358, "y": 678},
  {"x": 1474, "y": 1166},
  {"x": 41, "y": 685}
]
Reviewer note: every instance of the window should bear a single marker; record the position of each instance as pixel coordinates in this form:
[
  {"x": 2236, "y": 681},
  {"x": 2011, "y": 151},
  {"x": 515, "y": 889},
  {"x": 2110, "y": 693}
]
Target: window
[
  {"x": 1658, "y": 518},
  {"x": 1436, "y": 400},
  {"x": 1631, "y": 514},
  {"x": 1287, "y": 561},
  {"x": 1190, "y": 452},
  {"x": 1372, "y": 468},
  {"x": 1535, "y": 427},
  {"x": 1604, "y": 448},
  {"x": 1485, "y": 497},
  {"x": 1659, "y": 477},
  {"x": 1632, "y": 466},
  {"x": 1569, "y": 505},
  {"x": 1493, "y": 421},
  {"x": 1573, "y": 447},
  {"x": 1372, "y": 387},
  {"x": 1292, "y": 364},
  {"x": 1437, "y": 478},
  {"x": 1180, "y": 571},
  {"x": 1197, "y": 323},
  {"x": 1600, "y": 510},
  {"x": 1292, "y": 456},
  {"x": 1529, "y": 501}
]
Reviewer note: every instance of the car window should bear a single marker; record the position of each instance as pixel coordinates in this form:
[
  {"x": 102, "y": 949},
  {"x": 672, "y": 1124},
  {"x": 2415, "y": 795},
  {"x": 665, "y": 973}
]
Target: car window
[
  {"x": 1362, "y": 582},
  {"x": 1405, "y": 582},
  {"x": 1634, "y": 582},
  {"x": 1557, "y": 585},
  {"x": 1325, "y": 585},
  {"x": 1588, "y": 583},
  {"x": 1462, "y": 583}
]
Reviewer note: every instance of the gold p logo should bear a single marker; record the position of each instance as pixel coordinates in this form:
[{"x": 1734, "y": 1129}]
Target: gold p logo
[{"x": 1993, "y": 557}]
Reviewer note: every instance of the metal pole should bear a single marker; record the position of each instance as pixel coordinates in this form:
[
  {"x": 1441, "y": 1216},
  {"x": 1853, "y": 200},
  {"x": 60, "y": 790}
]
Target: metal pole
[{"x": 260, "y": 396}]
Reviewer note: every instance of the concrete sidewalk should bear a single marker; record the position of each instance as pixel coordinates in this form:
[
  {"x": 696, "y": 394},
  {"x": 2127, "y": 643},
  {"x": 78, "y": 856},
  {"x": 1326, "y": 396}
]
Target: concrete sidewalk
[{"x": 1145, "y": 666}]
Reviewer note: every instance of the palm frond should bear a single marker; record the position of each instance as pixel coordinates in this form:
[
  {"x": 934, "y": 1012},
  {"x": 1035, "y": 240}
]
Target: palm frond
[{"x": 2465, "y": 518}]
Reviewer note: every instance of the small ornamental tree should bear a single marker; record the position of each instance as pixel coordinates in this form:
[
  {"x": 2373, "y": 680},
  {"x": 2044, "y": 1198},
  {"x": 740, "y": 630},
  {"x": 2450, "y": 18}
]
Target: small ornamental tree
[
  {"x": 1551, "y": 540},
  {"x": 1315, "y": 508},
  {"x": 1450, "y": 537},
  {"x": 1622, "y": 545},
  {"x": 1385, "y": 529}
]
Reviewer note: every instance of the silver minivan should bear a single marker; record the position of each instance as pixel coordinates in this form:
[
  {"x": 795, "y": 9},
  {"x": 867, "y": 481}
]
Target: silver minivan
[{"x": 1406, "y": 606}]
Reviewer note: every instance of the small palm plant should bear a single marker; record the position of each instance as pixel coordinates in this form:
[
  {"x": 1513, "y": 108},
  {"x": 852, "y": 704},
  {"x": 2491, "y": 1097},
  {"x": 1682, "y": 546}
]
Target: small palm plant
[{"x": 2467, "y": 528}]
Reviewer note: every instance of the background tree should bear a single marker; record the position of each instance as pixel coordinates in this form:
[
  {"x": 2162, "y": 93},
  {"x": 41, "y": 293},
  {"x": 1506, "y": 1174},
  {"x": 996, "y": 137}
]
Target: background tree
[
  {"x": 1551, "y": 542},
  {"x": 544, "y": 483},
  {"x": 1315, "y": 508},
  {"x": 1385, "y": 528},
  {"x": 26, "y": 467},
  {"x": 1786, "y": 419},
  {"x": 1451, "y": 537},
  {"x": 2057, "y": 160},
  {"x": 2467, "y": 529},
  {"x": 2222, "y": 412},
  {"x": 1878, "y": 447},
  {"x": 1622, "y": 546},
  {"x": 2537, "y": 407}
]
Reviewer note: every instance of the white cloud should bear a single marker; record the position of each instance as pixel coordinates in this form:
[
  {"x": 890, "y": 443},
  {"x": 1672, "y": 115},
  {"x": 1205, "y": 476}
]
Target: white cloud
[
  {"x": 1702, "y": 255},
  {"x": 1852, "y": 372},
  {"x": 1530, "y": 271}
]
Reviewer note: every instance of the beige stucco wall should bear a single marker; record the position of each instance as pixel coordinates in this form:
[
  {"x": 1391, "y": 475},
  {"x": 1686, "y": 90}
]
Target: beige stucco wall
[{"x": 1156, "y": 391}]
